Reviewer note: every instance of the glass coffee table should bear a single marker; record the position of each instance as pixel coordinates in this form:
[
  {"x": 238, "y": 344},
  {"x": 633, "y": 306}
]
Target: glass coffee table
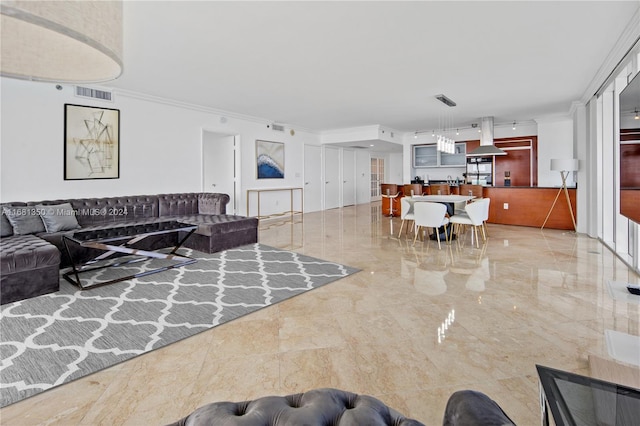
[
  {"x": 576, "y": 400},
  {"x": 119, "y": 239}
]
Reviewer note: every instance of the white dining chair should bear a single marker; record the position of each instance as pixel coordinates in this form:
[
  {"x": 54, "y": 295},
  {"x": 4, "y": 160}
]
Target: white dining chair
[
  {"x": 406, "y": 213},
  {"x": 430, "y": 215},
  {"x": 474, "y": 217}
]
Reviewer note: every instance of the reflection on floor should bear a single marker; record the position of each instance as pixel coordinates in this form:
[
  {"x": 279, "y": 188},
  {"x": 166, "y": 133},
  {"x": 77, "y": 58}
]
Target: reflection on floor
[{"x": 415, "y": 325}]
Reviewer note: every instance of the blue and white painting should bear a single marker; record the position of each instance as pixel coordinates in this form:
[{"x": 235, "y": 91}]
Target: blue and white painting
[{"x": 270, "y": 159}]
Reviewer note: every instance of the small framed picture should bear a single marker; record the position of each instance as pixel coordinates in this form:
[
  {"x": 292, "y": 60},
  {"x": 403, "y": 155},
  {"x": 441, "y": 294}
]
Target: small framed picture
[
  {"x": 270, "y": 159},
  {"x": 91, "y": 142}
]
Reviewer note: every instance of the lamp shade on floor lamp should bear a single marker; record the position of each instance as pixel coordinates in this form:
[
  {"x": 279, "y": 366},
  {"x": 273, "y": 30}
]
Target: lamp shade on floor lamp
[{"x": 564, "y": 165}]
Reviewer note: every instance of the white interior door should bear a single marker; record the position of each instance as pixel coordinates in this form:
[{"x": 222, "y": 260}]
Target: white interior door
[
  {"x": 348, "y": 177},
  {"x": 219, "y": 166},
  {"x": 312, "y": 178},
  {"x": 331, "y": 178},
  {"x": 363, "y": 177}
]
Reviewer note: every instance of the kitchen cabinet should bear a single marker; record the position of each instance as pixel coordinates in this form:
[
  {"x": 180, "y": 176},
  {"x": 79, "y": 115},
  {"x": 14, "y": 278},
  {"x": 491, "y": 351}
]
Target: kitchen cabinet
[{"x": 429, "y": 156}]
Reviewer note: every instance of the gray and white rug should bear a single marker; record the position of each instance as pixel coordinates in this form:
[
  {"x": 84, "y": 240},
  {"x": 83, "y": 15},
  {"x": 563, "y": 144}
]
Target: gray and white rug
[{"x": 56, "y": 338}]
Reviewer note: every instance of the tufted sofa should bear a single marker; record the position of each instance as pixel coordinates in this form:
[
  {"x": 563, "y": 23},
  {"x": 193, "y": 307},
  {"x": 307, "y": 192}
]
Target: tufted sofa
[
  {"x": 320, "y": 407},
  {"x": 30, "y": 261},
  {"x": 334, "y": 407}
]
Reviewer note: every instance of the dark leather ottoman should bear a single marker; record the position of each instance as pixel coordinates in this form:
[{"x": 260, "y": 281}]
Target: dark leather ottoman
[
  {"x": 319, "y": 407},
  {"x": 30, "y": 267}
]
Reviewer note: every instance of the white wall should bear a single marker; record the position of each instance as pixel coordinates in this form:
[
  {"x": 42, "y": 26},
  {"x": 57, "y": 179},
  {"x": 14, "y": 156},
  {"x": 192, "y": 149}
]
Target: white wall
[
  {"x": 160, "y": 149},
  {"x": 394, "y": 168},
  {"x": 555, "y": 140}
]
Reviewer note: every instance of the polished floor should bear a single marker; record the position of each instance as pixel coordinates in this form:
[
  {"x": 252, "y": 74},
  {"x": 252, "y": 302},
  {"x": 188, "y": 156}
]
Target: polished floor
[{"x": 415, "y": 325}]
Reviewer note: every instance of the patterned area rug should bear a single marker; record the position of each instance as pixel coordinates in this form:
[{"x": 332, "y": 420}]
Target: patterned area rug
[{"x": 56, "y": 338}]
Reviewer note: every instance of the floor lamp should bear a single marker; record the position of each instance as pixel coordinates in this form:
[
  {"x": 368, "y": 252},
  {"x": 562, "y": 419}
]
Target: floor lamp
[{"x": 564, "y": 167}]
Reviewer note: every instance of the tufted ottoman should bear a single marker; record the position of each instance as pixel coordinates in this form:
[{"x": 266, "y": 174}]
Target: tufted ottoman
[
  {"x": 321, "y": 407},
  {"x": 220, "y": 232},
  {"x": 30, "y": 267}
]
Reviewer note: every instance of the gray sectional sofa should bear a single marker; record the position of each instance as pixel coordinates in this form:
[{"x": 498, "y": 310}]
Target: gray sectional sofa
[
  {"x": 32, "y": 251},
  {"x": 328, "y": 406}
]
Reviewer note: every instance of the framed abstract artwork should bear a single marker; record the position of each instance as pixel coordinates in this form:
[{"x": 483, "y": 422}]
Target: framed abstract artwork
[
  {"x": 270, "y": 159},
  {"x": 91, "y": 142}
]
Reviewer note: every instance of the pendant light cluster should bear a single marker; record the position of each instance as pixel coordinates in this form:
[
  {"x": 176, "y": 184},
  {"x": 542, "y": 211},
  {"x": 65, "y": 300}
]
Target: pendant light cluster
[{"x": 446, "y": 145}]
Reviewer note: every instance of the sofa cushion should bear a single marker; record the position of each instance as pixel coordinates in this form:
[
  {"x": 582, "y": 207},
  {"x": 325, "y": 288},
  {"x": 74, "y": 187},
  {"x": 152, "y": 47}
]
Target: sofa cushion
[
  {"x": 6, "y": 229},
  {"x": 26, "y": 252},
  {"x": 58, "y": 217},
  {"x": 114, "y": 210},
  {"x": 212, "y": 203},
  {"x": 24, "y": 219},
  {"x": 178, "y": 204}
]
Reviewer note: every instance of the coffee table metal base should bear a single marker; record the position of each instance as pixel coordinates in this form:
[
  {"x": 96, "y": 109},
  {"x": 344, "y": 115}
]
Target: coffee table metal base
[{"x": 73, "y": 276}]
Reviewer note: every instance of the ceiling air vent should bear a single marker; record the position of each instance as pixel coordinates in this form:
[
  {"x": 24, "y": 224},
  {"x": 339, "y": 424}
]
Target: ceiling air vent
[
  {"x": 87, "y": 92},
  {"x": 278, "y": 127}
]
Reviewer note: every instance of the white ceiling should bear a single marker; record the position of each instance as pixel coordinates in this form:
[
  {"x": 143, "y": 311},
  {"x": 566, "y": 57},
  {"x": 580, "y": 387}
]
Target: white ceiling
[{"x": 331, "y": 65}]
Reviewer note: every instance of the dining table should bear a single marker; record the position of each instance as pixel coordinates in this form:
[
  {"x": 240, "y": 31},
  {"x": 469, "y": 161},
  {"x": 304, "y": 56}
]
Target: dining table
[{"x": 448, "y": 200}]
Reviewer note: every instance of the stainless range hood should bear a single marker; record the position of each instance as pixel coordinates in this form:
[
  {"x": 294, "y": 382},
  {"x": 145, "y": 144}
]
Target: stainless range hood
[{"x": 486, "y": 148}]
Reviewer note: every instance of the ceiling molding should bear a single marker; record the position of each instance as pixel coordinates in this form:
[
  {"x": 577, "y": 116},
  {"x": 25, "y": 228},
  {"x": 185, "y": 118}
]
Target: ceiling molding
[
  {"x": 209, "y": 110},
  {"x": 553, "y": 118},
  {"x": 625, "y": 43},
  {"x": 575, "y": 105}
]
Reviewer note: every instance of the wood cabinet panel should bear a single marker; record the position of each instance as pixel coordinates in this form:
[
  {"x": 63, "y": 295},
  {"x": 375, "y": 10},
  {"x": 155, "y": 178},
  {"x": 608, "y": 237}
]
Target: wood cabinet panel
[
  {"x": 530, "y": 206},
  {"x": 521, "y": 162},
  {"x": 630, "y": 164},
  {"x": 630, "y": 203},
  {"x": 518, "y": 163}
]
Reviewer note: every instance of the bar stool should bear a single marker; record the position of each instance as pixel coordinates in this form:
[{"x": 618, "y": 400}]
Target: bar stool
[
  {"x": 468, "y": 189},
  {"x": 390, "y": 193},
  {"x": 411, "y": 189},
  {"x": 439, "y": 189}
]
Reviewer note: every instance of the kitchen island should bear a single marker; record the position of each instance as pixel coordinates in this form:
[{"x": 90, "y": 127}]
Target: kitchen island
[{"x": 529, "y": 206}]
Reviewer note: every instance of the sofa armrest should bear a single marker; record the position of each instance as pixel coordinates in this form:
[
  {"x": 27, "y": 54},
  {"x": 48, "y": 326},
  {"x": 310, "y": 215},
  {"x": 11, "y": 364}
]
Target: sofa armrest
[
  {"x": 212, "y": 203},
  {"x": 468, "y": 407}
]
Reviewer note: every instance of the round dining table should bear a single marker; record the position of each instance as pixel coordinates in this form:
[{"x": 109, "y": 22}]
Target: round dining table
[{"x": 449, "y": 201}]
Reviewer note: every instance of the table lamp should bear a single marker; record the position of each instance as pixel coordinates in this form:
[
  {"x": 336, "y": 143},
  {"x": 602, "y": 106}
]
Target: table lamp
[{"x": 564, "y": 166}]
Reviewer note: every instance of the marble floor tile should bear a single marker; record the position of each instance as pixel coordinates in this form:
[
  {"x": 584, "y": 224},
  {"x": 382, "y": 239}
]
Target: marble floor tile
[{"x": 413, "y": 326}]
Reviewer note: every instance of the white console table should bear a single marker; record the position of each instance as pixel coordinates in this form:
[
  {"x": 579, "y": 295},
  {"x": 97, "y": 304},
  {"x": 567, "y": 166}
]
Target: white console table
[{"x": 291, "y": 210}]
